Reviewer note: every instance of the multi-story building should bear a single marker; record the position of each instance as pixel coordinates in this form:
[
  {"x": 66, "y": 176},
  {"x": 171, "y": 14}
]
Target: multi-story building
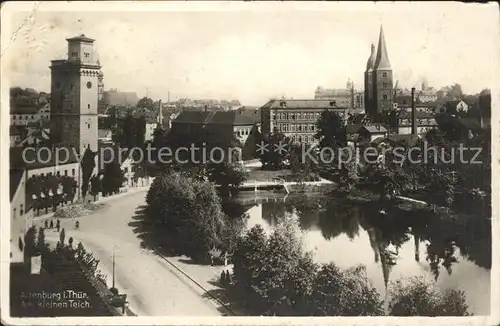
[
  {"x": 74, "y": 96},
  {"x": 378, "y": 81},
  {"x": 400, "y": 121},
  {"x": 21, "y": 115},
  {"x": 297, "y": 119}
]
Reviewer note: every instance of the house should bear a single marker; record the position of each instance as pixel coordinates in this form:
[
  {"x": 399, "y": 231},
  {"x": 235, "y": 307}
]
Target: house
[
  {"x": 19, "y": 212},
  {"x": 296, "y": 119},
  {"x": 152, "y": 120},
  {"x": 112, "y": 153},
  {"x": 115, "y": 98},
  {"x": 453, "y": 107},
  {"x": 44, "y": 160},
  {"x": 219, "y": 127},
  {"x": 104, "y": 135},
  {"x": 352, "y": 132},
  {"x": 22, "y": 114},
  {"x": 15, "y": 134},
  {"x": 369, "y": 133},
  {"x": 400, "y": 121}
]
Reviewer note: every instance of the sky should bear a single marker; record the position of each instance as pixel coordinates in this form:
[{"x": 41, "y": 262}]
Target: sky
[{"x": 254, "y": 51}]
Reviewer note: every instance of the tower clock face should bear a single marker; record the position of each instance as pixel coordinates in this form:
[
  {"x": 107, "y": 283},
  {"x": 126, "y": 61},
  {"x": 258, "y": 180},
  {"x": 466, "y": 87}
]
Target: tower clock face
[{"x": 89, "y": 85}]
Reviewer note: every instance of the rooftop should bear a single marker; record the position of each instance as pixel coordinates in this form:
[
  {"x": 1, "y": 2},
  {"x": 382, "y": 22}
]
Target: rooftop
[
  {"x": 303, "y": 104},
  {"x": 36, "y": 158},
  {"x": 81, "y": 38}
]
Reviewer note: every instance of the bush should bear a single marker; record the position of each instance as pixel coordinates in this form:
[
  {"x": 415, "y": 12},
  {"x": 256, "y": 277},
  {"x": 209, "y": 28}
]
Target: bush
[
  {"x": 188, "y": 209},
  {"x": 277, "y": 277},
  {"x": 418, "y": 297}
]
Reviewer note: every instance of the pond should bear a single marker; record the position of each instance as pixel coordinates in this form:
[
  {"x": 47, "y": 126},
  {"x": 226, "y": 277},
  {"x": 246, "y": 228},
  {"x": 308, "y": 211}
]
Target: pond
[{"x": 453, "y": 254}]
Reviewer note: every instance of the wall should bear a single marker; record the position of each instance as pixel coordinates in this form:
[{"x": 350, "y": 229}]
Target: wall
[
  {"x": 62, "y": 169},
  {"x": 18, "y": 222}
]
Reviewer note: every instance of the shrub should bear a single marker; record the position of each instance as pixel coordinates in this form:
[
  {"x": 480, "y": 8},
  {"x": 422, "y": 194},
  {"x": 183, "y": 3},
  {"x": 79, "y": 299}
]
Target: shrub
[{"x": 418, "y": 297}]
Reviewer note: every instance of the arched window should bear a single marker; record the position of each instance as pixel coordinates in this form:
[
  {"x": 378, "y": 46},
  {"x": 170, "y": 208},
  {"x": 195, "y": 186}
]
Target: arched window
[{"x": 21, "y": 209}]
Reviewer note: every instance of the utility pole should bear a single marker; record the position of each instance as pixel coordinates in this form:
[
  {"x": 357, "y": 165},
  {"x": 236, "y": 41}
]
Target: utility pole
[{"x": 113, "y": 266}]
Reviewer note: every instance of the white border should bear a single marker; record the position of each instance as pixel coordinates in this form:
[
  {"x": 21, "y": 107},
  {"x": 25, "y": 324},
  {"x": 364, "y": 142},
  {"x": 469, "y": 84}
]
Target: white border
[{"x": 114, "y": 6}]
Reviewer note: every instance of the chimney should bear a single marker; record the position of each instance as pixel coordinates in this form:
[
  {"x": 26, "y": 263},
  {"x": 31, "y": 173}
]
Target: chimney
[
  {"x": 160, "y": 114},
  {"x": 413, "y": 113}
]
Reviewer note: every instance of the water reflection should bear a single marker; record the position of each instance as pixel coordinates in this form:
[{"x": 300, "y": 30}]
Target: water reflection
[{"x": 454, "y": 253}]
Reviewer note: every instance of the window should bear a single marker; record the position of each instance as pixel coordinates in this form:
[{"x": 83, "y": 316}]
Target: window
[
  {"x": 384, "y": 96},
  {"x": 386, "y": 85},
  {"x": 74, "y": 54},
  {"x": 14, "y": 212},
  {"x": 384, "y": 74},
  {"x": 293, "y": 116},
  {"x": 42, "y": 174},
  {"x": 21, "y": 210},
  {"x": 65, "y": 172},
  {"x": 126, "y": 170},
  {"x": 88, "y": 126},
  {"x": 88, "y": 106},
  {"x": 89, "y": 85},
  {"x": 13, "y": 117},
  {"x": 300, "y": 129},
  {"x": 58, "y": 173},
  {"x": 73, "y": 172}
]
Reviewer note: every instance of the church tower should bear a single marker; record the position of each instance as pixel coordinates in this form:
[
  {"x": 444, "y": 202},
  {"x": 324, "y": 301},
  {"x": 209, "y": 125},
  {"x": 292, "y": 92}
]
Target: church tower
[
  {"x": 74, "y": 96},
  {"x": 370, "y": 64},
  {"x": 382, "y": 79}
]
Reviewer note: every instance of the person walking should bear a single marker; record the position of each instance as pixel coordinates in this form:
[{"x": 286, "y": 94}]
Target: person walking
[
  {"x": 58, "y": 225},
  {"x": 46, "y": 224},
  {"x": 51, "y": 224}
]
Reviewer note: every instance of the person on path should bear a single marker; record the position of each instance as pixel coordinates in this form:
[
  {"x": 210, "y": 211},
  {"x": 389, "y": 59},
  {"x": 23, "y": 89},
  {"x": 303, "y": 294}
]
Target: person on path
[
  {"x": 58, "y": 225},
  {"x": 46, "y": 224},
  {"x": 51, "y": 224}
]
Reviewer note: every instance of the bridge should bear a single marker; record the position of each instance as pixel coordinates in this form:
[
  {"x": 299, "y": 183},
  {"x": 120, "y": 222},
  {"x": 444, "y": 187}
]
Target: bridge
[{"x": 277, "y": 184}]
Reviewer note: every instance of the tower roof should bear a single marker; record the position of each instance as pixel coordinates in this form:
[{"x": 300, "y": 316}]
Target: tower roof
[
  {"x": 382, "y": 60},
  {"x": 370, "y": 64},
  {"x": 81, "y": 38}
]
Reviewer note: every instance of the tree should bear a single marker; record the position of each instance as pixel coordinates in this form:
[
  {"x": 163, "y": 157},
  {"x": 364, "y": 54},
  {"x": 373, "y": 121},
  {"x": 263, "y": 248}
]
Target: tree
[
  {"x": 129, "y": 132},
  {"x": 276, "y": 150},
  {"x": 226, "y": 175},
  {"x": 345, "y": 293},
  {"x": 331, "y": 131},
  {"x": 88, "y": 165},
  {"x": 95, "y": 186},
  {"x": 145, "y": 102},
  {"x": 113, "y": 178},
  {"x": 418, "y": 297},
  {"x": 349, "y": 172},
  {"x": 188, "y": 209}
]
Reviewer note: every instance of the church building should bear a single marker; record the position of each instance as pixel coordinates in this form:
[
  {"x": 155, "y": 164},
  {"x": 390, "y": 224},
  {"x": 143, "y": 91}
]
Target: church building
[{"x": 378, "y": 81}]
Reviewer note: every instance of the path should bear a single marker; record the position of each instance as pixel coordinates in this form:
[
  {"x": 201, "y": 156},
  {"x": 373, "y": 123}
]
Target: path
[{"x": 153, "y": 286}]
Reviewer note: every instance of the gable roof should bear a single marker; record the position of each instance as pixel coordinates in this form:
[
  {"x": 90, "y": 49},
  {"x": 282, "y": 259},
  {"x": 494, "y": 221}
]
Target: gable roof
[
  {"x": 15, "y": 178},
  {"x": 189, "y": 116},
  {"x": 352, "y": 128},
  {"x": 373, "y": 129},
  {"x": 303, "y": 104},
  {"x": 35, "y": 158},
  {"x": 15, "y": 131}
]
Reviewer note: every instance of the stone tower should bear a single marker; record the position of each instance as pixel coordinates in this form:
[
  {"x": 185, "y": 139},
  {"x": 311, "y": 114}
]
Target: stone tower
[
  {"x": 370, "y": 64},
  {"x": 382, "y": 80},
  {"x": 74, "y": 96}
]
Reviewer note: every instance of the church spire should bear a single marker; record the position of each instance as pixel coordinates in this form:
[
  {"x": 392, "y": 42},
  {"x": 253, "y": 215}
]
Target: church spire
[
  {"x": 382, "y": 60},
  {"x": 370, "y": 64}
]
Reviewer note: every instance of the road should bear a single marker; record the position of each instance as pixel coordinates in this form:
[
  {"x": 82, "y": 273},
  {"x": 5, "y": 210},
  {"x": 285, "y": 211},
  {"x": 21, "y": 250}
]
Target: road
[{"x": 153, "y": 287}]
